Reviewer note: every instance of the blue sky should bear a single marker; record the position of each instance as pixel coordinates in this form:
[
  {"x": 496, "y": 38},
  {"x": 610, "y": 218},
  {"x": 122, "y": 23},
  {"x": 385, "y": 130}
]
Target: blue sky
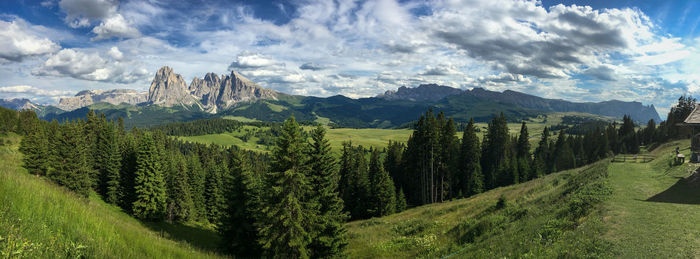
[{"x": 643, "y": 51}]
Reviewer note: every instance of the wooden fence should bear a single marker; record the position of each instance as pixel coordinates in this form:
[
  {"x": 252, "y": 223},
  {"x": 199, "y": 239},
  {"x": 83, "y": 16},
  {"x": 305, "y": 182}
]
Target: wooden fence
[{"x": 626, "y": 158}]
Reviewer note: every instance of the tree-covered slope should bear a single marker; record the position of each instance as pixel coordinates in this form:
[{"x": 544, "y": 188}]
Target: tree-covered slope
[{"x": 39, "y": 219}]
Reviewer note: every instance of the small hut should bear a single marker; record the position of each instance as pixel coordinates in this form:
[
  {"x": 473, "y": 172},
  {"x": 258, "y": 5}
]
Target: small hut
[{"x": 693, "y": 121}]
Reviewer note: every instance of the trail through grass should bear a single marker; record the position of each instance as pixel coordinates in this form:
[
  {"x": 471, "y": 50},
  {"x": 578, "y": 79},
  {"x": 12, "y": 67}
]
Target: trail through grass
[{"x": 655, "y": 210}]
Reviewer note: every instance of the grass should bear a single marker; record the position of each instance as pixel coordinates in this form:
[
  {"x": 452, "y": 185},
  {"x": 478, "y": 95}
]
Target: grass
[
  {"x": 655, "y": 210},
  {"x": 41, "y": 220},
  {"x": 554, "y": 216},
  {"x": 239, "y": 118}
]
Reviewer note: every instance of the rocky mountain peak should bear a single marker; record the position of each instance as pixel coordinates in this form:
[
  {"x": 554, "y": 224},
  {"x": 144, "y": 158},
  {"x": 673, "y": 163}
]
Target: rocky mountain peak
[
  {"x": 168, "y": 89},
  {"x": 235, "y": 88}
]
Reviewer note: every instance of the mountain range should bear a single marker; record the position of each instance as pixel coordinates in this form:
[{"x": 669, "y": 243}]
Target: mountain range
[{"x": 169, "y": 98}]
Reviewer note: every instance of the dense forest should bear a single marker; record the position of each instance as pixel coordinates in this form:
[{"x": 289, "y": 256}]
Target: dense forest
[{"x": 293, "y": 202}]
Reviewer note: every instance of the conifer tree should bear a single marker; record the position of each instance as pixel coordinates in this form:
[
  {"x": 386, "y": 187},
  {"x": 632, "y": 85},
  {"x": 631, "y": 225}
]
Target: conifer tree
[
  {"x": 542, "y": 159},
  {"x": 494, "y": 151},
  {"x": 240, "y": 236},
  {"x": 214, "y": 194},
  {"x": 34, "y": 146},
  {"x": 180, "y": 204},
  {"x": 400, "y": 201},
  {"x": 286, "y": 216},
  {"x": 112, "y": 168},
  {"x": 524, "y": 158},
  {"x": 470, "y": 180},
  {"x": 382, "y": 190},
  {"x": 72, "y": 168},
  {"x": 329, "y": 239},
  {"x": 149, "y": 184},
  {"x": 196, "y": 180}
]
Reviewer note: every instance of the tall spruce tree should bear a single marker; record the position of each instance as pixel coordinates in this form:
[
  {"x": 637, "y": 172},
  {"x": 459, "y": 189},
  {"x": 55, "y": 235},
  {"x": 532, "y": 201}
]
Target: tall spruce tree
[
  {"x": 400, "y": 201},
  {"x": 284, "y": 227},
  {"x": 383, "y": 194},
  {"x": 214, "y": 200},
  {"x": 149, "y": 184},
  {"x": 34, "y": 146},
  {"x": 524, "y": 158},
  {"x": 329, "y": 239},
  {"x": 240, "y": 236},
  {"x": 470, "y": 180},
  {"x": 112, "y": 186},
  {"x": 494, "y": 152},
  {"x": 72, "y": 169},
  {"x": 180, "y": 204}
]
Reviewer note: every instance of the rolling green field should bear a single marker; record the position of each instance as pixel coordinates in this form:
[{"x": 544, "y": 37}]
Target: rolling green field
[
  {"x": 377, "y": 138},
  {"x": 41, "y": 220}
]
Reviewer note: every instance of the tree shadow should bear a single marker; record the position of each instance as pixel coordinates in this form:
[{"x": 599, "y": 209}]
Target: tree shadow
[
  {"x": 684, "y": 191},
  {"x": 204, "y": 239}
]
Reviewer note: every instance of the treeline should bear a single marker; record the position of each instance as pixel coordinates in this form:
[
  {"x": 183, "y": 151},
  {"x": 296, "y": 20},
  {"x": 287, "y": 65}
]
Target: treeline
[
  {"x": 213, "y": 126},
  {"x": 283, "y": 205}
]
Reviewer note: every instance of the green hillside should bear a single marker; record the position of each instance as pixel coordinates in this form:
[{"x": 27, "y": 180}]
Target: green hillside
[
  {"x": 379, "y": 138},
  {"x": 641, "y": 210},
  {"x": 41, "y": 220}
]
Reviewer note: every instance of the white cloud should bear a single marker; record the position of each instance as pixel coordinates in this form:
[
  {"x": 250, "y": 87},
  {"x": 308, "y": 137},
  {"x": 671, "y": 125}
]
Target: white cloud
[
  {"x": 115, "y": 53},
  {"x": 26, "y": 89},
  {"x": 115, "y": 27},
  {"x": 19, "y": 41},
  {"x": 89, "y": 66}
]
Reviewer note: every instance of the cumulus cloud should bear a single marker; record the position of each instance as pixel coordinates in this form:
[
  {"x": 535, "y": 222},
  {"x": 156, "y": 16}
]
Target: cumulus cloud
[
  {"x": 33, "y": 91},
  {"x": 80, "y": 13},
  {"x": 89, "y": 66},
  {"x": 115, "y": 27},
  {"x": 440, "y": 70},
  {"x": 522, "y": 37},
  {"x": 251, "y": 60},
  {"x": 18, "y": 42}
]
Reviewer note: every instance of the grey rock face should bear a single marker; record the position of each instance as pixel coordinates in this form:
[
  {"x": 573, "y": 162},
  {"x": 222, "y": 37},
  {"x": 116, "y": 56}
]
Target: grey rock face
[
  {"x": 115, "y": 96},
  {"x": 235, "y": 89},
  {"x": 169, "y": 89},
  {"x": 18, "y": 104}
]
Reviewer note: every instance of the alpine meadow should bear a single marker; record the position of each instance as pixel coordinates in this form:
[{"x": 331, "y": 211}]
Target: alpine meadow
[{"x": 349, "y": 129}]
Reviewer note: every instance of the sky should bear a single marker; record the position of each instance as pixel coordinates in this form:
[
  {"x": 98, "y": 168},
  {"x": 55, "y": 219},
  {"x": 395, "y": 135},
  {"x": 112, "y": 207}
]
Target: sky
[{"x": 646, "y": 51}]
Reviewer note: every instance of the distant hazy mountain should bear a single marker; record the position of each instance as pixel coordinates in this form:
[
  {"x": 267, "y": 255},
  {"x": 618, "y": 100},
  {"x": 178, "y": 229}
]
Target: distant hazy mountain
[
  {"x": 429, "y": 92},
  {"x": 18, "y": 104},
  {"x": 614, "y": 108},
  {"x": 170, "y": 99}
]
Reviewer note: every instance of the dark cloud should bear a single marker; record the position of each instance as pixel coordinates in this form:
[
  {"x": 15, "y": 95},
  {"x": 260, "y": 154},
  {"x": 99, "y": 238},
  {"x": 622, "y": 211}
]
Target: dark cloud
[
  {"x": 601, "y": 73},
  {"x": 311, "y": 66}
]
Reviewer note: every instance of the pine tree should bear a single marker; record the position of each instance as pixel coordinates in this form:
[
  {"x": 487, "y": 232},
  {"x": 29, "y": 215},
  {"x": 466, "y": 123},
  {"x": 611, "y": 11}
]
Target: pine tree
[
  {"x": 469, "y": 168},
  {"x": 214, "y": 194},
  {"x": 354, "y": 181},
  {"x": 112, "y": 169},
  {"x": 240, "y": 236},
  {"x": 524, "y": 158},
  {"x": 72, "y": 168},
  {"x": 34, "y": 146},
  {"x": 382, "y": 190},
  {"x": 196, "y": 180},
  {"x": 400, "y": 201},
  {"x": 329, "y": 239},
  {"x": 149, "y": 184},
  {"x": 392, "y": 163},
  {"x": 494, "y": 151},
  {"x": 542, "y": 159},
  {"x": 180, "y": 204},
  {"x": 283, "y": 229}
]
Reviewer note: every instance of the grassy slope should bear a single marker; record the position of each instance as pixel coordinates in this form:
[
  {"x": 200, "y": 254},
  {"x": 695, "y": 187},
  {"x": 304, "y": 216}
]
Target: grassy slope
[
  {"x": 535, "y": 222},
  {"x": 654, "y": 212},
  {"x": 41, "y": 220},
  {"x": 641, "y": 210}
]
